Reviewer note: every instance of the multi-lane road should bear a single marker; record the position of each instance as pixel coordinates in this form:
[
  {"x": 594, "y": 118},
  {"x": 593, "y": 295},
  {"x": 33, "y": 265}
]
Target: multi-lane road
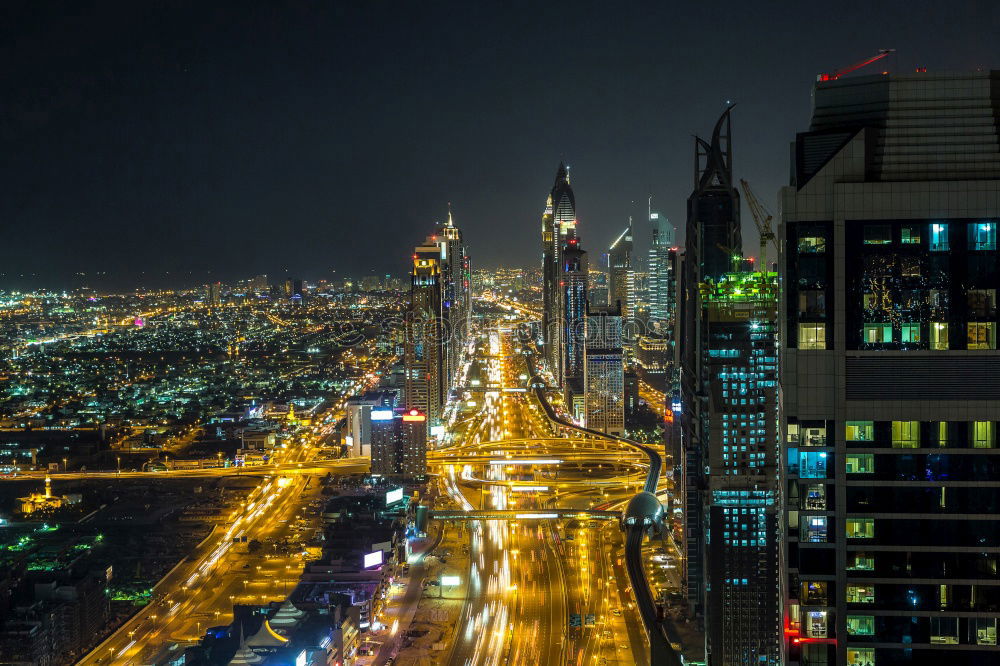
[{"x": 539, "y": 590}]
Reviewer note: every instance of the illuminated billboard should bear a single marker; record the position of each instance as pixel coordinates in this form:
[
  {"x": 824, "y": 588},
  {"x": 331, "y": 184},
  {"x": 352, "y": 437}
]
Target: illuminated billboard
[
  {"x": 414, "y": 415},
  {"x": 381, "y": 415},
  {"x": 393, "y": 496},
  {"x": 451, "y": 581},
  {"x": 373, "y": 559}
]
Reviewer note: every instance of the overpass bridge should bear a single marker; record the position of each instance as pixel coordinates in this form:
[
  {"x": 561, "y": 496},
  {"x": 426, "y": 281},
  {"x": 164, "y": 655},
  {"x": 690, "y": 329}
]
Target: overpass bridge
[{"x": 524, "y": 514}]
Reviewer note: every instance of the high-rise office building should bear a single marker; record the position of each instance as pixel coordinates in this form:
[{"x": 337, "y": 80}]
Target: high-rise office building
[
  {"x": 728, "y": 422},
  {"x": 558, "y": 229},
  {"x": 890, "y": 373},
  {"x": 574, "y": 300},
  {"x": 662, "y": 264},
  {"x": 738, "y": 501},
  {"x": 399, "y": 442},
  {"x": 655, "y": 347},
  {"x": 604, "y": 372},
  {"x": 424, "y": 355},
  {"x": 455, "y": 301},
  {"x": 620, "y": 281}
]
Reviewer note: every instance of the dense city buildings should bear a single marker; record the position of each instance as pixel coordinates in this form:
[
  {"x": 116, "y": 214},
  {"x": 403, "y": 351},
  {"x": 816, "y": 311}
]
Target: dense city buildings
[
  {"x": 890, "y": 371},
  {"x": 658, "y": 452}
]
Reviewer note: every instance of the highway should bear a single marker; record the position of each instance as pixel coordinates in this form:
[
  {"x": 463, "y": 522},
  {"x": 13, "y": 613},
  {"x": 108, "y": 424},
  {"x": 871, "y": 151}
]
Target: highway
[{"x": 531, "y": 574}]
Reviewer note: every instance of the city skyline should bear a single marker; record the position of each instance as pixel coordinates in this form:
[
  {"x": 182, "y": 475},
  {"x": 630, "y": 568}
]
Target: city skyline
[
  {"x": 307, "y": 359},
  {"x": 218, "y": 133}
]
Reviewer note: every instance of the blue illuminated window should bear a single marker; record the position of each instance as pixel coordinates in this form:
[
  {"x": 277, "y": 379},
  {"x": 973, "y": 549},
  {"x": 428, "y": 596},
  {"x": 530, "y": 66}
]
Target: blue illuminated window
[
  {"x": 983, "y": 236},
  {"x": 939, "y": 238}
]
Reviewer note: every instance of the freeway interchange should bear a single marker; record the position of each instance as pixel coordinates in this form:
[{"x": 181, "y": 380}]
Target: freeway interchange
[{"x": 548, "y": 580}]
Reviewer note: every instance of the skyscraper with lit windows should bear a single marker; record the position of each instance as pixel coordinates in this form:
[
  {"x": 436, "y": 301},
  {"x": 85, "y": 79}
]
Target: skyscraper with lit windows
[
  {"x": 558, "y": 231},
  {"x": 890, "y": 374},
  {"x": 424, "y": 350}
]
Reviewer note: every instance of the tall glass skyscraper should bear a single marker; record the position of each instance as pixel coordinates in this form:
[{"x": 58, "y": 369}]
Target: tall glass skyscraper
[
  {"x": 558, "y": 230},
  {"x": 891, "y": 374}
]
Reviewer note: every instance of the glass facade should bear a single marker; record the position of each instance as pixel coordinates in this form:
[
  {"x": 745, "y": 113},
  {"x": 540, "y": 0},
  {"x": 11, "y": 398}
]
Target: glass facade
[{"x": 926, "y": 285}]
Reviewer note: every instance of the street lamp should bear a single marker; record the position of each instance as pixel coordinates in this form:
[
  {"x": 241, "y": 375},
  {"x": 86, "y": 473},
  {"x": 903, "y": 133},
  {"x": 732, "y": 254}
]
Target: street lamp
[
  {"x": 119, "y": 459},
  {"x": 64, "y": 464}
]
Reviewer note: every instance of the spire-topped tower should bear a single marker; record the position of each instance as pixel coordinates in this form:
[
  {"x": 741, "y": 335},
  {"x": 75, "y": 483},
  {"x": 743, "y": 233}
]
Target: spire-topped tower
[{"x": 558, "y": 231}]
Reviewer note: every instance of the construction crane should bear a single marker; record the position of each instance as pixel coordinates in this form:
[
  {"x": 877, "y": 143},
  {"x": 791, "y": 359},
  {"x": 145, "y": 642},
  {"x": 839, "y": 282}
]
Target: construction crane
[
  {"x": 833, "y": 76},
  {"x": 762, "y": 218}
]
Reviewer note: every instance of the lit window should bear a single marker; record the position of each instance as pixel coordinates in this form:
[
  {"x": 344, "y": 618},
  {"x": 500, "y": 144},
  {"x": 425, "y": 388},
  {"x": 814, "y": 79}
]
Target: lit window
[
  {"x": 859, "y": 594},
  {"x": 816, "y": 624},
  {"x": 986, "y": 630},
  {"x": 878, "y": 234},
  {"x": 816, "y": 497},
  {"x": 860, "y": 528},
  {"x": 860, "y": 431},
  {"x": 860, "y": 656},
  {"x": 911, "y": 333},
  {"x": 812, "y": 465},
  {"x": 860, "y": 625},
  {"x": 939, "y": 238},
  {"x": 814, "y": 593},
  {"x": 939, "y": 335},
  {"x": 859, "y": 463},
  {"x": 793, "y": 433},
  {"x": 812, "y": 244},
  {"x": 941, "y": 428},
  {"x": 910, "y": 235},
  {"x": 983, "y": 236},
  {"x": 813, "y": 529},
  {"x": 878, "y": 333},
  {"x": 860, "y": 562},
  {"x": 944, "y": 630},
  {"x": 813, "y": 435},
  {"x": 812, "y": 336},
  {"x": 905, "y": 434},
  {"x": 982, "y": 335},
  {"x": 982, "y": 435}
]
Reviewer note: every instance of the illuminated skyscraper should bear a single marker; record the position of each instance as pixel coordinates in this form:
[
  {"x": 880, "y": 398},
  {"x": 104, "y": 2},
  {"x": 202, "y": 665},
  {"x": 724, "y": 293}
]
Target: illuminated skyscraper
[
  {"x": 662, "y": 264},
  {"x": 728, "y": 422},
  {"x": 424, "y": 354},
  {"x": 558, "y": 229},
  {"x": 890, "y": 373},
  {"x": 739, "y": 505},
  {"x": 455, "y": 302},
  {"x": 573, "y": 290},
  {"x": 620, "y": 280},
  {"x": 604, "y": 371}
]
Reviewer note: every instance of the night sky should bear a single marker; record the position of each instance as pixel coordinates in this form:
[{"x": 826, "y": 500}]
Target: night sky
[{"x": 324, "y": 139}]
